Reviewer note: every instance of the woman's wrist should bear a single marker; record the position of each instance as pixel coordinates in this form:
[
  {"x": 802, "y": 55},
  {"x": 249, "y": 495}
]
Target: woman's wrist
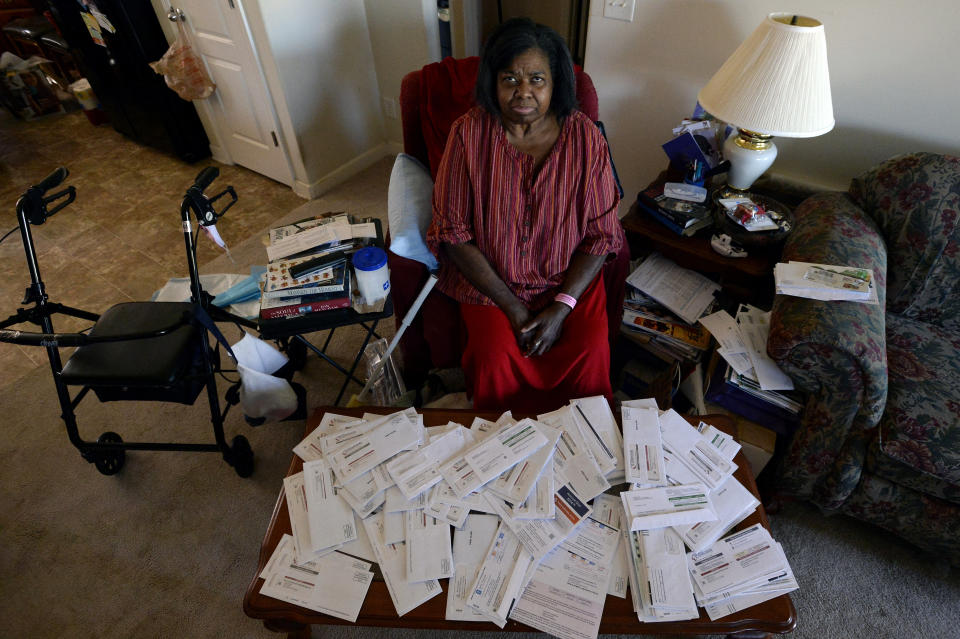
[{"x": 567, "y": 300}]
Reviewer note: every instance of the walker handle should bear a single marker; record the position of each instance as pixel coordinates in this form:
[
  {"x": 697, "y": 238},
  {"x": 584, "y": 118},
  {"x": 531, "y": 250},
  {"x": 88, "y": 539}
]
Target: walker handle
[
  {"x": 53, "y": 180},
  {"x": 205, "y": 177}
]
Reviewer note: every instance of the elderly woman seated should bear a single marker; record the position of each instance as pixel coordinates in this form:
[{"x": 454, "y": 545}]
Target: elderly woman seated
[{"x": 524, "y": 216}]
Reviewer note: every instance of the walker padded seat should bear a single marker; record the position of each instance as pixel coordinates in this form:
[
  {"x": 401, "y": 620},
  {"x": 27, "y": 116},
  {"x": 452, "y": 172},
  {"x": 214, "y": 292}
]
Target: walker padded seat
[{"x": 155, "y": 369}]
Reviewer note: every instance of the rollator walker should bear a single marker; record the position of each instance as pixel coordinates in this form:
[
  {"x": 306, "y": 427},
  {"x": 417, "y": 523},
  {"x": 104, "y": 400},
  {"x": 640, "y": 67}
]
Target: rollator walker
[{"x": 140, "y": 351}]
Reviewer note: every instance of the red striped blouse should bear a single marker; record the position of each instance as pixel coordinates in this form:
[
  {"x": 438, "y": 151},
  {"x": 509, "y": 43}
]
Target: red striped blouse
[{"x": 527, "y": 226}]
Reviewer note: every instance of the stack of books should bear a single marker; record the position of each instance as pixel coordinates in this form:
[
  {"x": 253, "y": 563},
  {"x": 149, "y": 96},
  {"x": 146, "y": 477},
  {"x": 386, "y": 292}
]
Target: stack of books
[
  {"x": 309, "y": 269},
  {"x": 680, "y": 216},
  {"x": 323, "y": 289}
]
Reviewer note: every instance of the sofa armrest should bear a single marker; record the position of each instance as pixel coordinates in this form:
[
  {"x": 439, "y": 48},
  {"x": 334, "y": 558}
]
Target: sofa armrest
[{"x": 834, "y": 351}]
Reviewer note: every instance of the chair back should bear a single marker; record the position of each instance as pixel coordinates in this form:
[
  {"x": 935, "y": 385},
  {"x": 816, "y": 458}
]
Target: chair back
[
  {"x": 433, "y": 97},
  {"x": 914, "y": 199}
]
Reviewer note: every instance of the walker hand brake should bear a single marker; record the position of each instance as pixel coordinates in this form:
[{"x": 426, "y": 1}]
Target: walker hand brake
[
  {"x": 233, "y": 200},
  {"x": 33, "y": 204}
]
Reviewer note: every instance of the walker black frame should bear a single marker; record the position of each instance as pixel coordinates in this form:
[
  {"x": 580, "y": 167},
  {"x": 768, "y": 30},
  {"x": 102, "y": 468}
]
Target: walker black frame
[{"x": 107, "y": 453}]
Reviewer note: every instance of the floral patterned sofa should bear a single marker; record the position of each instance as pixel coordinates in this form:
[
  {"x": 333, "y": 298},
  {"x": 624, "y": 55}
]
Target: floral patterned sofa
[{"x": 880, "y": 436}]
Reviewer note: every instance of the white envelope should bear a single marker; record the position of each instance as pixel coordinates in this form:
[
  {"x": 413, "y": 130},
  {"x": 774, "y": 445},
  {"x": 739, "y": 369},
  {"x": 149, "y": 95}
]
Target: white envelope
[
  {"x": 429, "y": 555},
  {"x": 374, "y": 447},
  {"x": 667, "y": 506},
  {"x": 643, "y": 446},
  {"x": 330, "y": 517}
]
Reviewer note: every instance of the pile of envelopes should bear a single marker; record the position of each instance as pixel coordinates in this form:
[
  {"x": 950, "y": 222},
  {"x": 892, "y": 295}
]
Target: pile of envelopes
[{"x": 549, "y": 516}]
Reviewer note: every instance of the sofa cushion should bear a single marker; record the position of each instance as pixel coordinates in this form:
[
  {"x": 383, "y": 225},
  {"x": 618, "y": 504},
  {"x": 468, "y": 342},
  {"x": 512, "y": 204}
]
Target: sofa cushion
[
  {"x": 918, "y": 442},
  {"x": 915, "y": 200}
]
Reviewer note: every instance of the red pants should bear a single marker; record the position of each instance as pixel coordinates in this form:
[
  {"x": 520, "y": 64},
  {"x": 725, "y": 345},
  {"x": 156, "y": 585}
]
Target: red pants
[{"x": 578, "y": 364}]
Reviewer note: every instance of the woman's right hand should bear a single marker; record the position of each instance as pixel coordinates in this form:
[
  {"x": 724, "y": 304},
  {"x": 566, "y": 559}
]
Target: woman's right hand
[{"x": 519, "y": 316}]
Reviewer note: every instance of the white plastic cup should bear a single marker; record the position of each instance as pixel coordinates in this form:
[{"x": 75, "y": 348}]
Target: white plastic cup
[
  {"x": 373, "y": 277},
  {"x": 84, "y": 94}
]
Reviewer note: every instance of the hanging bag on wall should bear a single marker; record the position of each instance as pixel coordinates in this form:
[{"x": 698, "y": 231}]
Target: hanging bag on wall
[{"x": 183, "y": 70}]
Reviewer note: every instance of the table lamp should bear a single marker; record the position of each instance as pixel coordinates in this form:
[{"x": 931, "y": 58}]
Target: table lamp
[{"x": 775, "y": 83}]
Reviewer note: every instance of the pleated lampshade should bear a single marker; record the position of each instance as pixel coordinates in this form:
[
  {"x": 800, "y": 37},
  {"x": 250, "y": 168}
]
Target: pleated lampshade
[{"x": 776, "y": 82}]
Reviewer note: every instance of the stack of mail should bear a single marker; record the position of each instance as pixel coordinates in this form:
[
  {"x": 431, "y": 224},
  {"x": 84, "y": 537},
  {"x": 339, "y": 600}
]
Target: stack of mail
[
  {"x": 683, "y": 494},
  {"x": 739, "y": 571},
  {"x": 541, "y": 530},
  {"x": 825, "y": 282},
  {"x": 742, "y": 341},
  {"x": 334, "y": 584}
]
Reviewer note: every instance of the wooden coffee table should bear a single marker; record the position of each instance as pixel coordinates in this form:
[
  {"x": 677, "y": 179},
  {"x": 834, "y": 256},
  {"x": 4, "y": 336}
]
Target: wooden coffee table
[{"x": 775, "y": 616}]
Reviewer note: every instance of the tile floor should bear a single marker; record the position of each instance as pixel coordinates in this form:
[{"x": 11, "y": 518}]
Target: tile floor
[{"x": 121, "y": 239}]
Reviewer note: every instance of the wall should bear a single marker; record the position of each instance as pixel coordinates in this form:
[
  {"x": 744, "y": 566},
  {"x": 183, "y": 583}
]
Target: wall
[
  {"x": 892, "y": 68},
  {"x": 400, "y": 44},
  {"x": 319, "y": 63}
]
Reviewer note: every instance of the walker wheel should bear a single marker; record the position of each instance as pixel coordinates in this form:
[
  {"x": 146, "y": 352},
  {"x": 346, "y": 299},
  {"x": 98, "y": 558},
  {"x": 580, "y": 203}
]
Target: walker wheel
[
  {"x": 241, "y": 456},
  {"x": 109, "y": 462}
]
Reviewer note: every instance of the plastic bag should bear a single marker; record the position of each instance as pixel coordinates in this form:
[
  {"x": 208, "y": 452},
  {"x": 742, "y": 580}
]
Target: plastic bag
[
  {"x": 263, "y": 395},
  {"x": 183, "y": 70},
  {"x": 388, "y": 388}
]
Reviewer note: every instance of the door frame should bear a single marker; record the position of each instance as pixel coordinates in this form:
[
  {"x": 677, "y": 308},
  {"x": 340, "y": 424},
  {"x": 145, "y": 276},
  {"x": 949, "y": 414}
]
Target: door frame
[{"x": 208, "y": 116}]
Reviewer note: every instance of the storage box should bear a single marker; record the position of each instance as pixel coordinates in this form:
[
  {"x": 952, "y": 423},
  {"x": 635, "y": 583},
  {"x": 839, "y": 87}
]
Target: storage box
[{"x": 758, "y": 443}]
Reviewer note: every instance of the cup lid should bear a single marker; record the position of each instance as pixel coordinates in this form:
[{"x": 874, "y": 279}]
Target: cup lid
[{"x": 369, "y": 258}]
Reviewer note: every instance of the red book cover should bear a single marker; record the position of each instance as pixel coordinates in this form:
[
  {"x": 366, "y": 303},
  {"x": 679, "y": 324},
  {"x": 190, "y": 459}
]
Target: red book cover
[{"x": 295, "y": 310}]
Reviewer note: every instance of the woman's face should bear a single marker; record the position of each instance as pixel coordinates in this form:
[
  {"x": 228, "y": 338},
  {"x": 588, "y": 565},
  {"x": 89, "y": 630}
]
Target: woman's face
[{"x": 524, "y": 88}]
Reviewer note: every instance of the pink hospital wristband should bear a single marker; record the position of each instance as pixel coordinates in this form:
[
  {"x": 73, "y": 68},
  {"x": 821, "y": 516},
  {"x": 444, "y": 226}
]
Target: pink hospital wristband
[{"x": 563, "y": 298}]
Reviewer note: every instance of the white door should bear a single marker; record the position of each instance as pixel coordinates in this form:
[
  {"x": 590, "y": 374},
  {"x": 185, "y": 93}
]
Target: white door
[{"x": 241, "y": 105}]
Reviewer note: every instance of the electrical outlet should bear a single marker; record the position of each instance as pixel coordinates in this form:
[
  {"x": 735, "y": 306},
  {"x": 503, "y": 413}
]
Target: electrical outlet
[
  {"x": 619, "y": 9},
  {"x": 390, "y": 108}
]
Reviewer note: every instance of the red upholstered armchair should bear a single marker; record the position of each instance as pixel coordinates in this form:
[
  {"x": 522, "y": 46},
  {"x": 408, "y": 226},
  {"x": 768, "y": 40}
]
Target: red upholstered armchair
[{"x": 431, "y": 99}]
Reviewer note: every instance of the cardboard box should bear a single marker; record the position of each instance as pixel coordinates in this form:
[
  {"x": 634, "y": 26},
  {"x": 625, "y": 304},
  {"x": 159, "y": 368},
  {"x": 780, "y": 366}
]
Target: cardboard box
[{"x": 758, "y": 443}]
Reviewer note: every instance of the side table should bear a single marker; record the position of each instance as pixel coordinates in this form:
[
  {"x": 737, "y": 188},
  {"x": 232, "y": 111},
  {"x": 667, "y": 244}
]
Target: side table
[
  {"x": 748, "y": 279},
  {"x": 777, "y": 615}
]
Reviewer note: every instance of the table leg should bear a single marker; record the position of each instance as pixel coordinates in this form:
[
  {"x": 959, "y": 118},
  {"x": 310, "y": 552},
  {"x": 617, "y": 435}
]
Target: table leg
[
  {"x": 370, "y": 332},
  {"x": 293, "y": 629},
  {"x": 750, "y": 634}
]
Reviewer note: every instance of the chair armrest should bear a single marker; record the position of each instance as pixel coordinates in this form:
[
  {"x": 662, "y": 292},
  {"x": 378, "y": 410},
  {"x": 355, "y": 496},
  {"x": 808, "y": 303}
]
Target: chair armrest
[
  {"x": 834, "y": 351},
  {"x": 830, "y": 229}
]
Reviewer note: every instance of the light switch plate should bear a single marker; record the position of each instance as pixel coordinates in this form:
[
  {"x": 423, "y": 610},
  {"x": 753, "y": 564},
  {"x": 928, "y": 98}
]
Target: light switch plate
[{"x": 619, "y": 9}]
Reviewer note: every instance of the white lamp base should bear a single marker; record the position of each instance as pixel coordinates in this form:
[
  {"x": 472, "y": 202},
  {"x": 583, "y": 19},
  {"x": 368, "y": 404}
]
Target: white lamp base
[{"x": 750, "y": 155}]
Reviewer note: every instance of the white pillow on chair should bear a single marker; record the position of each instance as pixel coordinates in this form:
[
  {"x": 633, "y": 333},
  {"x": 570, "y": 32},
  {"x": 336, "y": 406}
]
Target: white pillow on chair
[{"x": 409, "y": 208}]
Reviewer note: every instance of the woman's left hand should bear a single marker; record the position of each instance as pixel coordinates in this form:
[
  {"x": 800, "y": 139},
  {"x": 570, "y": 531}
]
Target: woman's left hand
[{"x": 544, "y": 329}]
